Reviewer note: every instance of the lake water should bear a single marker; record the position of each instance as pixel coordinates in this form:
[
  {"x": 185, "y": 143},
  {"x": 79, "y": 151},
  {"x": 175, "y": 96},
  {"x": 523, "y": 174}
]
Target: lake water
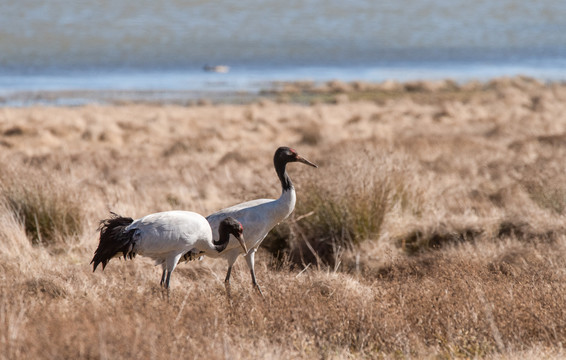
[{"x": 144, "y": 45}]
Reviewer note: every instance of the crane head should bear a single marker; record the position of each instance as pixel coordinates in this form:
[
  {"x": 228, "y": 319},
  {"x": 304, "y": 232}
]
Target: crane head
[
  {"x": 286, "y": 154},
  {"x": 235, "y": 228}
]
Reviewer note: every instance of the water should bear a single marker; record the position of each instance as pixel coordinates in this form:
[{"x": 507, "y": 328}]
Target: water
[{"x": 143, "y": 45}]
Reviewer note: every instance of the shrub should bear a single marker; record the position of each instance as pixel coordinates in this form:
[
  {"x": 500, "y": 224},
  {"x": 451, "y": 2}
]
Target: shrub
[
  {"x": 345, "y": 203},
  {"x": 547, "y": 195},
  {"x": 48, "y": 209}
]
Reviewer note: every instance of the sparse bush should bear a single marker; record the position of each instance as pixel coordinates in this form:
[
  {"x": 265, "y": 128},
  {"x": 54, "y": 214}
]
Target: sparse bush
[
  {"x": 339, "y": 220},
  {"x": 47, "y": 208},
  {"x": 345, "y": 204},
  {"x": 548, "y": 196}
]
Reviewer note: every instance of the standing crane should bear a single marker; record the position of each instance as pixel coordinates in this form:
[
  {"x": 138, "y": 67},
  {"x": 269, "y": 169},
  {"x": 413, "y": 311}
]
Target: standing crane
[
  {"x": 163, "y": 237},
  {"x": 259, "y": 216}
]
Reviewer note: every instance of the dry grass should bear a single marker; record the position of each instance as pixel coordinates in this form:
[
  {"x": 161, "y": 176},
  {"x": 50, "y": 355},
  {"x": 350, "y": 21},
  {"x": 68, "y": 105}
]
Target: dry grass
[
  {"x": 433, "y": 227},
  {"x": 344, "y": 204},
  {"x": 48, "y": 208}
]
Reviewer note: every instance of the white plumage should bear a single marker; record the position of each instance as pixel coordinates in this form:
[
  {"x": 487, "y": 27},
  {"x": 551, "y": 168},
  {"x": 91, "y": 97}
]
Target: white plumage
[
  {"x": 164, "y": 237},
  {"x": 258, "y": 217}
]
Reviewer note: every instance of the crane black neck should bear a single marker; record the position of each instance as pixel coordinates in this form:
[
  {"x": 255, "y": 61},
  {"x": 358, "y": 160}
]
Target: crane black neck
[
  {"x": 223, "y": 239},
  {"x": 280, "y": 168}
]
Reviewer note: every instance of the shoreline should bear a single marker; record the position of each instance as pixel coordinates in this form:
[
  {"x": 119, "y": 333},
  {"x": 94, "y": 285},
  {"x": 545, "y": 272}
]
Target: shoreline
[
  {"x": 296, "y": 91},
  {"x": 244, "y": 84}
]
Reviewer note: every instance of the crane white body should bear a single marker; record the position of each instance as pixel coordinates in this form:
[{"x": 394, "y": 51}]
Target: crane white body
[
  {"x": 166, "y": 236},
  {"x": 258, "y": 217},
  {"x": 163, "y": 237}
]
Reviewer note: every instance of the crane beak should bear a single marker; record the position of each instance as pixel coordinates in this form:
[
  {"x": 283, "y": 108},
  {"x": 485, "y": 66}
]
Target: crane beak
[
  {"x": 305, "y": 161},
  {"x": 243, "y": 243}
]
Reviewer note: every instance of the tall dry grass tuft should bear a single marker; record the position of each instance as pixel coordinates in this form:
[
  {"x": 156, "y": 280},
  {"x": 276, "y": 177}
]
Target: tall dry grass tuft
[
  {"x": 547, "y": 194},
  {"x": 345, "y": 203},
  {"x": 15, "y": 243},
  {"x": 48, "y": 207}
]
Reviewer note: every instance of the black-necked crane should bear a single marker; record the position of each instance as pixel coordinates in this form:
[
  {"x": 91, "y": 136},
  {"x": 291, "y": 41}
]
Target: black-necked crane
[
  {"x": 164, "y": 237},
  {"x": 258, "y": 217}
]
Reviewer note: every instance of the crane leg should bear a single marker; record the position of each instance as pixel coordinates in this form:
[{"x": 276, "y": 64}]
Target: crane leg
[
  {"x": 167, "y": 283},
  {"x": 167, "y": 280},
  {"x": 227, "y": 283},
  {"x": 254, "y": 283},
  {"x": 169, "y": 265},
  {"x": 227, "y": 279},
  {"x": 162, "y": 277},
  {"x": 250, "y": 261}
]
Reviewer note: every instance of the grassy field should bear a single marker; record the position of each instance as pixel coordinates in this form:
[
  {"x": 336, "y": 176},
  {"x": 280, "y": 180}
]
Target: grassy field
[{"x": 433, "y": 227}]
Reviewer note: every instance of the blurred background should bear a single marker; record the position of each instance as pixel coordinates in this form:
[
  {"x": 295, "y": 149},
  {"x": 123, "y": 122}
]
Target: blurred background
[{"x": 158, "y": 47}]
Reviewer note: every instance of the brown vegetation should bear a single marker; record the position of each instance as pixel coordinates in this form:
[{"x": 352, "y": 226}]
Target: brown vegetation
[{"x": 432, "y": 228}]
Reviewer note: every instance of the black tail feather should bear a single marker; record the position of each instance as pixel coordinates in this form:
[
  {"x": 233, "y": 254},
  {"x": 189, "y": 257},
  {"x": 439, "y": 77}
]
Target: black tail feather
[{"x": 114, "y": 240}]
